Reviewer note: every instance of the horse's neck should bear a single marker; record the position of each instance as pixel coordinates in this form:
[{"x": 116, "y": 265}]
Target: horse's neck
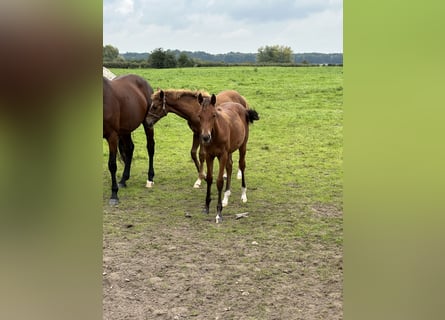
[{"x": 184, "y": 107}]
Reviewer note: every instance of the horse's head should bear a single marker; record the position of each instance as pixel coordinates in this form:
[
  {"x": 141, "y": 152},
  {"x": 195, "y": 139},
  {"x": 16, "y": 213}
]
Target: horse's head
[
  {"x": 157, "y": 109},
  {"x": 207, "y": 117}
]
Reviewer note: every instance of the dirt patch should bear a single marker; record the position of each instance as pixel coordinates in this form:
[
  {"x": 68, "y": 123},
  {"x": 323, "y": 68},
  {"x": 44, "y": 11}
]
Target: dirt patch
[
  {"x": 322, "y": 210},
  {"x": 183, "y": 273}
]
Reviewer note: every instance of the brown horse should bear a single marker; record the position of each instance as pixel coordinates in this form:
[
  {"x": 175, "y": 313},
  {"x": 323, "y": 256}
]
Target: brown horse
[
  {"x": 126, "y": 100},
  {"x": 184, "y": 103},
  {"x": 224, "y": 129}
]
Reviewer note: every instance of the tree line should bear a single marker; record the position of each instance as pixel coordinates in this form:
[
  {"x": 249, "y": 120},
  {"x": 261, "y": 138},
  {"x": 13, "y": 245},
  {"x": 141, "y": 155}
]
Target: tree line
[{"x": 267, "y": 55}]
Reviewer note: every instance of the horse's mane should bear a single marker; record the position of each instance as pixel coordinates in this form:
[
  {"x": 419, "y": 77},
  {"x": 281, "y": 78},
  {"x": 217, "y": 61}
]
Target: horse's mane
[{"x": 179, "y": 93}]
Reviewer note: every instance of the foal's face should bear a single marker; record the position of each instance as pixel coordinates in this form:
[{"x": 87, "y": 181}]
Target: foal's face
[
  {"x": 207, "y": 118},
  {"x": 157, "y": 109}
]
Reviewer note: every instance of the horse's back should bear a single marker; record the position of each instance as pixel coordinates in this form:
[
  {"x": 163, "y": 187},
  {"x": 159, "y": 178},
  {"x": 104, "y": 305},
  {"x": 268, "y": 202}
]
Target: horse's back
[
  {"x": 233, "y": 111},
  {"x": 230, "y": 96},
  {"x": 234, "y": 118},
  {"x": 134, "y": 96},
  {"x": 133, "y": 84}
]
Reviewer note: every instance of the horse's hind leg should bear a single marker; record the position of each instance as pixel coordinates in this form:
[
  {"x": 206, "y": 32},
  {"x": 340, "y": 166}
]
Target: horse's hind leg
[
  {"x": 112, "y": 167},
  {"x": 126, "y": 148},
  {"x": 242, "y": 167},
  {"x": 227, "y": 193},
  {"x": 149, "y": 133}
]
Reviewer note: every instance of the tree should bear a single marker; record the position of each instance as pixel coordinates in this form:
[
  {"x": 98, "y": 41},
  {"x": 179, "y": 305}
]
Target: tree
[
  {"x": 110, "y": 53},
  {"x": 162, "y": 59},
  {"x": 185, "y": 61},
  {"x": 170, "y": 60},
  {"x": 276, "y": 53}
]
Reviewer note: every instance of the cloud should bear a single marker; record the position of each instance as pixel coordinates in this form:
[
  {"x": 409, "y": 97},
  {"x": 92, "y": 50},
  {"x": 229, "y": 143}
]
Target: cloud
[
  {"x": 219, "y": 26},
  {"x": 263, "y": 11},
  {"x": 126, "y": 6}
]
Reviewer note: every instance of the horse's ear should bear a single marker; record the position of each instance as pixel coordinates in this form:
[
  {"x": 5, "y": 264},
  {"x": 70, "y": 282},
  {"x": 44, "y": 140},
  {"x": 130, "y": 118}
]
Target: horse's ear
[
  {"x": 161, "y": 94},
  {"x": 213, "y": 99},
  {"x": 200, "y": 98}
]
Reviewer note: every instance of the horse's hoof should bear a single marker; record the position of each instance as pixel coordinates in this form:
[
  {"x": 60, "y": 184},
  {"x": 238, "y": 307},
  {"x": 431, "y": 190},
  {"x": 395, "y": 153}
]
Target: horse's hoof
[
  {"x": 122, "y": 185},
  {"x": 218, "y": 219},
  {"x": 113, "y": 202},
  {"x": 244, "y": 195},
  {"x": 149, "y": 184},
  {"x": 205, "y": 210},
  {"x": 197, "y": 184}
]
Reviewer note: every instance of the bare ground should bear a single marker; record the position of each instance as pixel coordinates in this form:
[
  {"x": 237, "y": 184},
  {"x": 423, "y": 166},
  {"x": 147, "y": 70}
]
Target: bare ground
[{"x": 189, "y": 269}]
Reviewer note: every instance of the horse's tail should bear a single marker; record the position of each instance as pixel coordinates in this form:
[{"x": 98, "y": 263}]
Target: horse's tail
[{"x": 252, "y": 115}]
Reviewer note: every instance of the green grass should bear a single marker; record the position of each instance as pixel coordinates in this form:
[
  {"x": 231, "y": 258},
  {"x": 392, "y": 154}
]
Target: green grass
[{"x": 294, "y": 157}]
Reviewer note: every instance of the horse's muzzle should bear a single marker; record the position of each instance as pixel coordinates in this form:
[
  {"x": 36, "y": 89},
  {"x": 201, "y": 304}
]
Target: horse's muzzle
[{"x": 206, "y": 138}]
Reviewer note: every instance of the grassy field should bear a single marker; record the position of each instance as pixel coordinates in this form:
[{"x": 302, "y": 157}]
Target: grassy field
[{"x": 163, "y": 258}]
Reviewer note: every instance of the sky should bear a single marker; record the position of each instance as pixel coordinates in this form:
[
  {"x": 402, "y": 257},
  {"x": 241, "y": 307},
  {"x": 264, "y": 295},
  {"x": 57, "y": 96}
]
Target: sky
[{"x": 222, "y": 26}]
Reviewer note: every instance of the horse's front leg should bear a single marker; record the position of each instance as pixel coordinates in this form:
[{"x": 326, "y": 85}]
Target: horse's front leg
[
  {"x": 198, "y": 164},
  {"x": 219, "y": 184},
  {"x": 112, "y": 167},
  {"x": 209, "y": 180},
  {"x": 202, "y": 157},
  {"x": 149, "y": 133}
]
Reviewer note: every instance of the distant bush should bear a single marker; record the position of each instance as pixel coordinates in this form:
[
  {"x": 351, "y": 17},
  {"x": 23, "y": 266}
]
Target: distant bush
[
  {"x": 126, "y": 64},
  {"x": 196, "y": 64}
]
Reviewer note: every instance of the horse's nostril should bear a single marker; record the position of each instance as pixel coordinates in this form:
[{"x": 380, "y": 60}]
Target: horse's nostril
[{"x": 206, "y": 138}]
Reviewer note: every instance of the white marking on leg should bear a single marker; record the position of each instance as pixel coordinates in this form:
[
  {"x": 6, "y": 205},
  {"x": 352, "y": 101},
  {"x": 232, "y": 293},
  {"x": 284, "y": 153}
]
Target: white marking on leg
[
  {"x": 197, "y": 184},
  {"x": 243, "y": 194},
  {"x": 149, "y": 184},
  {"x": 239, "y": 175},
  {"x": 225, "y": 201},
  {"x": 218, "y": 219}
]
